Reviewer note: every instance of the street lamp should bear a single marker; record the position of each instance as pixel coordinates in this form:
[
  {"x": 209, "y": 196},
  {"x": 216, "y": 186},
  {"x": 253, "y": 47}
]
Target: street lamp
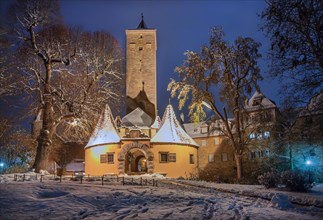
[
  {"x": 1, "y": 166},
  {"x": 309, "y": 163}
]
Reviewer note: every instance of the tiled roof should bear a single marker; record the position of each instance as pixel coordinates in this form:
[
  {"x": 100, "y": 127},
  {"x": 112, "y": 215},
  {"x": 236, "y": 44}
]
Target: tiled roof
[{"x": 137, "y": 118}]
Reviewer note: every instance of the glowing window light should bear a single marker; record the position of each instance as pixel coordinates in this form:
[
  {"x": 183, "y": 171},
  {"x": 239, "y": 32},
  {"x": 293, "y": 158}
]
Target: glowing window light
[
  {"x": 1, "y": 164},
  {"x": 308, "y": 162}
]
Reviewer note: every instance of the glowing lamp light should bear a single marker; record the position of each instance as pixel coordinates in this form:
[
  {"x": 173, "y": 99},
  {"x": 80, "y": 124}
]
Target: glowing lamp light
[
  {"x": 1, "y": 164},
  {"x": 308, "y": 162}
]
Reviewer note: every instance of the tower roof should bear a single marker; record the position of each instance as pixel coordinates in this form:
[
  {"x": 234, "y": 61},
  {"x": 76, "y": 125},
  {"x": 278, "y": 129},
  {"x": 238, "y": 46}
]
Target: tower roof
[
  {"x": 142, "y": 24},
  {"x": 105, "y": 131},
  {"x": 137, "y": 118},
  {"x": 170, "y": 130}
]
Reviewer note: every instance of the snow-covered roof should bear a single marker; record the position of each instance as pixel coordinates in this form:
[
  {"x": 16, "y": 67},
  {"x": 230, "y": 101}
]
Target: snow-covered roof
[
  {"x": 137, "y": 118},
  {"x": 105, "y": 131},
  {"x": 170, "y": 130},
  {"x": 75, "y": 166},
  {"x": 203, "y": 129},
  {"x": 257, "y": 101},
  {"x": 314, "y": 107},
  {"x": 156, "y": 123}
]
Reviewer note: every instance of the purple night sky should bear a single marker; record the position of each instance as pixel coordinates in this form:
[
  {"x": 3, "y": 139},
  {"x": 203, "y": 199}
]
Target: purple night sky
[{"x": 181, "y": 26}]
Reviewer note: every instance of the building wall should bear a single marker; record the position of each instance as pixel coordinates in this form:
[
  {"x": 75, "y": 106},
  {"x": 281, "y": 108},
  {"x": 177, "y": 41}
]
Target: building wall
[
  {"x": 182, "y": 167},
  {"x": 141, "y": 63},
  {"x": 92, "y": 160},
  {"x": 216, "y": 159}
]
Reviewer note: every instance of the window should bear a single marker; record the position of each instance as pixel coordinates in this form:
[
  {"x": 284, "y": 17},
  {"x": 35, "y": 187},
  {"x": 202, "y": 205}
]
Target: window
[
  {"x": 171, "y": 157},
  {"x": 103, "y": 158},
  {"x": 267, "y": 152},
  {"x": 259, "y": 136},
  {"x": 266, "y": 134},
  {"x": 258, "y": 154},
  {"x": 148, "y": 45},
  {"x": 211, "y": 158},
  {"x": 204, "y": 130},
  {"x": 110, "y": 157},
  {"x": 267, "y": 117},
  {"x": 224, "y": 157},
  {"x": 191, "y": 158},
  {"x": 132, "y": 46},
  {"x": 163, "y": 157},
  {"x": 203, "y": 143},
  {"x": 252, "y": 136},
  {"x": 140, "y": 48},
  {"x": 257, "y": 101},
  {"x": 252, "y": 155},
  {"x": 216, "y": 141},
  {"x": 134, "y": 133}
]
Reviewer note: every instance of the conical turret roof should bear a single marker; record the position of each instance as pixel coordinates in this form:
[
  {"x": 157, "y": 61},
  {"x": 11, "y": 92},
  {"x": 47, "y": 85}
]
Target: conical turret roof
[
  {"x": 170, "y": 130},
  {"x": 105, "y": 131},
  {"x": 156, "y": 123}
]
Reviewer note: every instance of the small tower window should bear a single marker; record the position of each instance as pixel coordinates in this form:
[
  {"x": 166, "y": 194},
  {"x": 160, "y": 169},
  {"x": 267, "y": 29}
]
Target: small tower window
[
  {"x": 191, "y": 158},
  {"x": 203, "y": 143},
  {"x": 140, "y": 48},
  {"x": 224, "y": 157}
]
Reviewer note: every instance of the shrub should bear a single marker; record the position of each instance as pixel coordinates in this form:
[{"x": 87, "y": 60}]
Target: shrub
[
  {"x": 16, "y": 169},
  {"x": 296, "y": 180},
  {"x": 269, "y": 179}
]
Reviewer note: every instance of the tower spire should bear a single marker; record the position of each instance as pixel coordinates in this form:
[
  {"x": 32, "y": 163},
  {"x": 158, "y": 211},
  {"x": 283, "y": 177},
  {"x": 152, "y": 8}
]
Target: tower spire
[{"x": 142, "y": 24}]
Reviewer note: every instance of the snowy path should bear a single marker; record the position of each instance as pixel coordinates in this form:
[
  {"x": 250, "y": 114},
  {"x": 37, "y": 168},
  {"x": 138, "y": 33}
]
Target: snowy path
[{"x": 50, "y": 200}]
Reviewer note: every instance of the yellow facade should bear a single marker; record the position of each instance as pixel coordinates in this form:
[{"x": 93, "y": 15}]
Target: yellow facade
[
  {"x": 93, "y": 165},
  {"x": 182, "y": 167},
  {"x": 185, "y": 164}
]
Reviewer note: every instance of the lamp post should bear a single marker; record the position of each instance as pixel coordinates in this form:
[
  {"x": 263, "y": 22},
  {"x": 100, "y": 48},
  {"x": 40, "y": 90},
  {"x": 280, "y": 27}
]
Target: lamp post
[
  {"x": 1, "y": 167},
  {"x": 309, "y": 163}
]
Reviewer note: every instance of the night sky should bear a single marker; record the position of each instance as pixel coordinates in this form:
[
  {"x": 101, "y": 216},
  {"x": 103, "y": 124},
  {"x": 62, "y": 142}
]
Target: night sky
[{"x": 181, "y": 26}]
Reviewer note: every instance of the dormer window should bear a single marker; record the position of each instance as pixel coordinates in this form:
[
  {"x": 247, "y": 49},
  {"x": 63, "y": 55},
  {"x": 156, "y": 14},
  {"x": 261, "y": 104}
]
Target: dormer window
[
  {"x": 204, "y": 130},
  {"x": 257, "y": 101}
]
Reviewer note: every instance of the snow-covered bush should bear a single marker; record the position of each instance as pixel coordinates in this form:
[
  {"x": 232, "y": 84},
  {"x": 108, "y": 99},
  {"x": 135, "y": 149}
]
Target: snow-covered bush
[
  {"x": 269, "y": 179},
  {"x": 297, "y": 181}
]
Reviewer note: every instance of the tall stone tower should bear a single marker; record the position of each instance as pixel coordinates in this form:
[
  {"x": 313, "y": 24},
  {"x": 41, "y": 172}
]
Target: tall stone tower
[{"x": 141, "y": 88}]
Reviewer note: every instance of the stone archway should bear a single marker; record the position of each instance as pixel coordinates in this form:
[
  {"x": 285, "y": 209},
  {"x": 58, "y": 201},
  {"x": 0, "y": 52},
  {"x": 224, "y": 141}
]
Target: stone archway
[{"x": 136, "y": 145}]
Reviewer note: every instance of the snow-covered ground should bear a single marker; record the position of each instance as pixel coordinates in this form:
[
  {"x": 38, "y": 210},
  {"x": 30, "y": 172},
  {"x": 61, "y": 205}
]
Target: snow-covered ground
[{"x": 183, "y": 199}]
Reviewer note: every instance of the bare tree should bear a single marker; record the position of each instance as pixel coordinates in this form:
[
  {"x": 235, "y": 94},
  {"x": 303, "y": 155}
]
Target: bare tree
[
  {"x": 233, "y": 70},
  {"x": 7, "y": 84},
  {"x": 67, "y": 73},
  {"x": 295, "y": 30},
  {"x": 17, "y": 148}
]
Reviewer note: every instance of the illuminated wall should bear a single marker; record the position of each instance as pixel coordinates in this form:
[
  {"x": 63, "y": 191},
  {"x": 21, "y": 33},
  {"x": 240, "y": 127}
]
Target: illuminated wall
[
  {"x": 182, "y": 166},
  {"x": 94, "y": 167}
]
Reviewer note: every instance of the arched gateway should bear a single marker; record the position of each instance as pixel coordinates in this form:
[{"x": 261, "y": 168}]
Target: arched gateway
[{"x": 140, "y": 153}]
